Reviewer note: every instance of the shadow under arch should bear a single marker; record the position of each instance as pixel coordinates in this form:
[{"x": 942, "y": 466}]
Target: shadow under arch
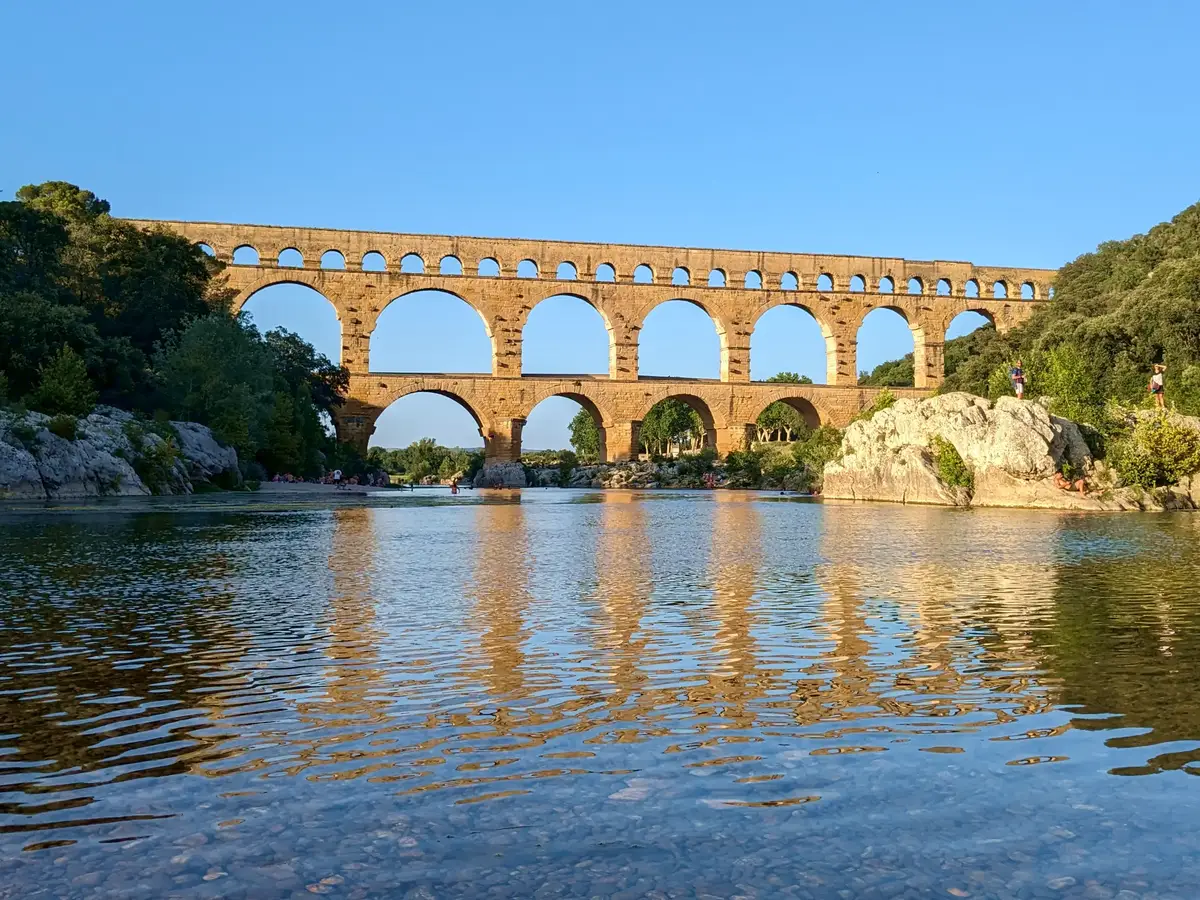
[
  {"x": 391, "y": 311},
  {"x": 610, "y": 348},
  {"x": 300, "y": 308},
  {"x": 826, "y": 332},
  {"x": 639, "y": 326}
]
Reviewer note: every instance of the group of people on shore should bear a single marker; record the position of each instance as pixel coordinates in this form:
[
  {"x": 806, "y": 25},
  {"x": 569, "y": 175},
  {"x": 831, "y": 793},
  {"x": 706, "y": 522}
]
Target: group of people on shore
[{"x": 1156, "y": 387}]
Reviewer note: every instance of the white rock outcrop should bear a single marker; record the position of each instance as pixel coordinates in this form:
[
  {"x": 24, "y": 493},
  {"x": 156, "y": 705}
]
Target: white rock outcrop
[
  {"x": 102, "y": 458},
  {"x": 501, "y": 475},
  {"x": 1013, "y": 448}
]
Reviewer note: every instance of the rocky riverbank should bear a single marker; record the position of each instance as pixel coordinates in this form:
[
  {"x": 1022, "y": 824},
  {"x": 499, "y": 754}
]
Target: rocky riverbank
[
  {"x": 108, "y": 454},
  {"x": 961, "y": 450}
]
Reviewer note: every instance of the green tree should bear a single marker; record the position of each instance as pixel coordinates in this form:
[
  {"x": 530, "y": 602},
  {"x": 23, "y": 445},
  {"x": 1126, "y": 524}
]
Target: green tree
[
  {"x": 585, "y": 437},
  {"x": 64, "y": 386},
  {"x": 219, "y": 373},
  {"x": 671, "y": 422}
]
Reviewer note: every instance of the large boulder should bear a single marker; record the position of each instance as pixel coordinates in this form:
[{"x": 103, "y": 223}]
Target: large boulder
[
  {"x": 105, "y": 454},
  {"x": 501, "y": 475},
  {"x": 206, "y": 458},
  {"x": 1012, "y": 447}
]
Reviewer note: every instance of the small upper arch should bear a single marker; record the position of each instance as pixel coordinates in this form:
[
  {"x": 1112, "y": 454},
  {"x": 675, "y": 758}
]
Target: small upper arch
[
  {"x": 944, "y": 287},
  {"x": 1000, "y": 289},
  {"x": 606, "y": 272},
  {"x": 971, "y": 288},
  {"x": 527, "y": 268},
  {"x": 681, "y": 277},
  {"x": 206, "y": 249},
  {"x": 716, "y": 278},
  {"x": 333, "y": 259},
  {"x": 643, "y": 274},
  {"x": 753, "y": 280},
  {"x": 245, "y": 255},
  {"x": 450, "y": 265},
  {"x": 1028, "y": 291},
  {"x": 291, "y": 258},
  {"x": 824, "y": 282},
  {"x": 858, "y": 284},
  {"x": 916, "y": 285},
  {"x": 566, "y": 271},
  {"x": 789, "y": 281},
  {"x": 488, "y": 267},
  {"x": 412, "y": 263},
  {"x": 373, "y": 261},
  {"x": 887, "y": 285}
]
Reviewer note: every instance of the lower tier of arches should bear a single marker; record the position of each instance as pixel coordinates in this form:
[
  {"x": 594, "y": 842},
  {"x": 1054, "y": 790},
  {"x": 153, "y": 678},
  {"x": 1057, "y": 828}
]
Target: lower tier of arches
[{"x": 500, "y": 406}]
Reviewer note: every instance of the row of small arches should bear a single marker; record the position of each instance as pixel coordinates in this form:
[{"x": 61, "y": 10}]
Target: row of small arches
[{"x": 489, "y": 267}]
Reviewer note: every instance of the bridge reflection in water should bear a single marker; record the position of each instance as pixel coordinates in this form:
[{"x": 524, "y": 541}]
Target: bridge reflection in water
[{"x": 488, "y": 677}]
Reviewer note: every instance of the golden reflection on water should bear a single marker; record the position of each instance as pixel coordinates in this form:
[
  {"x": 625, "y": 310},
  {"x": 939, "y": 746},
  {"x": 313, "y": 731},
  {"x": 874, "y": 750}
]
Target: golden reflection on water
[{"x": 477, "y": 650}]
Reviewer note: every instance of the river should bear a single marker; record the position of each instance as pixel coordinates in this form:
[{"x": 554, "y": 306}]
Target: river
[{"x": 582, "y": 694}]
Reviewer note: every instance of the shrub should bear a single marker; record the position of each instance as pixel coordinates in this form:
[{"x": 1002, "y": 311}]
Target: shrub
[
  {"x": 66, "y": 427},
  {"x": 882, "y": 401},
  {"x": 744, "y": 468},
  {"x": 1158, "y": 452},
  {"x": 951, "y": 468},
  {"x": 64, "y": 386},
  {"x": 25, "y": 433}
]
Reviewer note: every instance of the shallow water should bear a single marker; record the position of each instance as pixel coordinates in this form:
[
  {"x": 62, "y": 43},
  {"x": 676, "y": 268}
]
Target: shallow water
[{"x": 576, "y": 694}]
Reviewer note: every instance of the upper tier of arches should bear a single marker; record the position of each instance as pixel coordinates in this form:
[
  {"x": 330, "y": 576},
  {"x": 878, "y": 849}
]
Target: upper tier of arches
[{"x": 620, "y": 263}]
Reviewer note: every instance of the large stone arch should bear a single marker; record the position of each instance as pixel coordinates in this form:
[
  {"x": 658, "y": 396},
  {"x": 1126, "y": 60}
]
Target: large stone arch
[
  {"x": 589, "y": 399},
  {"x": 614, "y": 330},
  {"x": 317, "y": 279},
  {"x": 480, "y": 309},
  {"x": 810, "y": 409},
  {"x": 828, "y": 332},
  {"x": 722, "y": 324}
]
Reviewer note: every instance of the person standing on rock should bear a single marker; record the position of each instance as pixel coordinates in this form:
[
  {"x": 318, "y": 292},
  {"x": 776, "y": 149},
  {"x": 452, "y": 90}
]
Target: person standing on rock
[
  {"x": 1017, "y": 374},
  {"x": 1156, "y": 385}
]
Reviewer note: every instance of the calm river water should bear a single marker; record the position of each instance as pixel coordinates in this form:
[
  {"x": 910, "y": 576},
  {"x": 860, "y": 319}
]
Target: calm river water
[{"x": 593, "y": 695}]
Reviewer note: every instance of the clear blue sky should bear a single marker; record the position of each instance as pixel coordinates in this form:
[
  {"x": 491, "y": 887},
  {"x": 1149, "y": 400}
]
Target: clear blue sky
[{"x": 1016, "y": 134}]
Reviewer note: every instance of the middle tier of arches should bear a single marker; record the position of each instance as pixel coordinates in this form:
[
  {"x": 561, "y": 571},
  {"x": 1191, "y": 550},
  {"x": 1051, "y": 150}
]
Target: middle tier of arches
[{"x": 505, "y": 307}]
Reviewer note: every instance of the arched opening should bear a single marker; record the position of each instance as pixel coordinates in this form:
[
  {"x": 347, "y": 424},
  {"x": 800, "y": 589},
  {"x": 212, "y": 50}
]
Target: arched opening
[
  {"x": 1051, "y": 294},
  {"x": 679, "y": 339},
  {"x": 966, "y": 322},
  {"x": 566, "y": 422},
  {"x": 450, "y": 265},
  {"x": 943, "y": 288},
  {"x": 885, "y": 349},
  {"x": 971, "y": 288},
  {"x": 916, "y": 286},
  {"x": 488, "y": 268},
  {"x": 681, "y": 277},
  {"x": 787, "y": 419},
  {"x": 716, "y": 278},
  {"x": 858, "y": 284},
  {"x": 566, "y": 271},
  {"x": 788, "y": 339},
  {"x": 427, "y": 426},
  {"x": 677, "y": 425},
  {"x": 412, "y": 263},
  {"x": 373, "y": 261},
  {"x": 245, "y": 255},
  {"x": 753, "y": 280},
  {"x": 333, "y": 259},
  {"x": 1027, "y": 292},
  {"x": 291, "y": 258},
  {"x": 789, "y": 282},
  {"x": 824, "y": 282},
  {"x": 886, "y": 285},
  {"x": 300, "y": 309},
  {"x": 1000, "y": 290},
  {"x": 430, "y": 331},
  {"x": 564, "y": 335},
  {"x": 527, "y": 268},
  {"x": 204, "y": 248},
  {"x": 605, "y": 272},
  {"x": 643, "y": 274}
]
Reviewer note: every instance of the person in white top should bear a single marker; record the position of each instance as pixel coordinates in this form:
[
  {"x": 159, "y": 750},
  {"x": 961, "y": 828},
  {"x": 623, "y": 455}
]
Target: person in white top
[
  {"x": 1156, "y": 385},
  {"x": 337, "y": 478}
]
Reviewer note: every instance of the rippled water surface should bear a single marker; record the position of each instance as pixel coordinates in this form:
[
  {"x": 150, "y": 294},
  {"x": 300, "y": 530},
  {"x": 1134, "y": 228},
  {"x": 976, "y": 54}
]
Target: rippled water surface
[{"x": 572, "y": 694}]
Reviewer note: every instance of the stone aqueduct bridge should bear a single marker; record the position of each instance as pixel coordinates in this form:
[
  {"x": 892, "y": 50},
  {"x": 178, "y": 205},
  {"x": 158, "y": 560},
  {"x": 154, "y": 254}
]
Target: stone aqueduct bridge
[{"x": 504, "y": 279}]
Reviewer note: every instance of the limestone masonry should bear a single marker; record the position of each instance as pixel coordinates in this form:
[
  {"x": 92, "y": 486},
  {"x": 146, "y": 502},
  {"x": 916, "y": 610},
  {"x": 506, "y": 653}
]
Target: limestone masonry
[{"x": 504, "y": 279}]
